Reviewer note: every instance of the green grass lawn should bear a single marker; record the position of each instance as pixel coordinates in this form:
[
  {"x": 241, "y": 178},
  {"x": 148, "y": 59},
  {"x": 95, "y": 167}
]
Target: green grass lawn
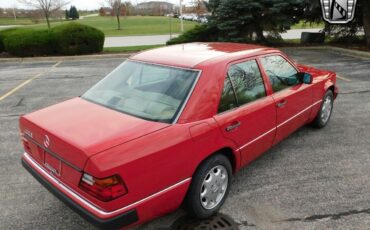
[
  {"x": 19, "y": 21},
  {"x": 303, "y": 25},
  {"x": 132, "y": 25},
  {"x": 129, "y": 48}
]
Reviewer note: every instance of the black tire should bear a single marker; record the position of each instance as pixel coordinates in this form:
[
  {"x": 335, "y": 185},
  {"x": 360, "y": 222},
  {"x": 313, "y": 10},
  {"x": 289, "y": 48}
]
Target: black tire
[
  {"x": 319, "y": 121},
  {"x": 192, "y": 202}
]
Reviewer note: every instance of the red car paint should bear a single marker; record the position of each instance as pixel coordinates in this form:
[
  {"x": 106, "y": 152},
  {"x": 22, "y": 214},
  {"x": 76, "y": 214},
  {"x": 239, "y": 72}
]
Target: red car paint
[{"x": 156, "y": 160}]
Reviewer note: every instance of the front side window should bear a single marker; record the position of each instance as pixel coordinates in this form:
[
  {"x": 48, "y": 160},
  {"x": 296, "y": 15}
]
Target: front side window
[
  {"x": 148, "y": 91},
  {"x": 243, "y": 84},
  {"x": 280, "y": 72}
]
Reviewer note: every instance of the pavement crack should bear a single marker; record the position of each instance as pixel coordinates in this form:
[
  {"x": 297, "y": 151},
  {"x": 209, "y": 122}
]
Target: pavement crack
[
  {"x": 334, "y": 216},
  {"x": 19, "y": 103},
  {"x": 353, "y": 92},
  {"x": 246, "y": 223},
  {"x": 11, "y": 115}
]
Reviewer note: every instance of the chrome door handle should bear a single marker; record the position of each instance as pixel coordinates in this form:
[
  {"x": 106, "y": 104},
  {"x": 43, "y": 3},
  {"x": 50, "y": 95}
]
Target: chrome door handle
[
  {"x": 233, "y": 126},
  {"x": 281, "y": 103}
]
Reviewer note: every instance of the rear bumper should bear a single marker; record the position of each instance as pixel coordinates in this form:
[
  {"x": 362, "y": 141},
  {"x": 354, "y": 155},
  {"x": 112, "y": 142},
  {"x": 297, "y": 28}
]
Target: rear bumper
[
  {"x": 135, "y": 213},
  {"x": 121, "y": 220}
]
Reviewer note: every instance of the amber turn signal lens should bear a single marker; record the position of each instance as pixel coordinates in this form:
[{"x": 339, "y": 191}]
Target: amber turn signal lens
[{"x": 104, "y": 189}]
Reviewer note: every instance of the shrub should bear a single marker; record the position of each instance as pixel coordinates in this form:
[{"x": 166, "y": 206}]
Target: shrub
[
  {"x": 29, "y": 43},
  {"x": 74, "y": 38},
  {"x": 3, "y": 35},
  {"x": 200, "y": 33}
]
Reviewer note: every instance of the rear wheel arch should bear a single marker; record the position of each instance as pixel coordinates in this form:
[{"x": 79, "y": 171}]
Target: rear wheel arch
[
  {"x": 229, "y": 153},
  {"x": 332, "y": 88}
]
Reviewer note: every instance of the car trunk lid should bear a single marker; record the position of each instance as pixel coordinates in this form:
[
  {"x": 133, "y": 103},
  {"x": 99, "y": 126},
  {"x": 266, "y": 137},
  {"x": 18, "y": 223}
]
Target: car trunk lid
[{"x": 73, "y": 131}]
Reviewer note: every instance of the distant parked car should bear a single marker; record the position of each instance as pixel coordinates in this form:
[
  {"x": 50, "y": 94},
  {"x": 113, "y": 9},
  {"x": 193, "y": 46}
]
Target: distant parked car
[
  {"x": 188, "y": 17},
  {"x": 170, "y": 126},
  {"x": 203, "y": 20}
]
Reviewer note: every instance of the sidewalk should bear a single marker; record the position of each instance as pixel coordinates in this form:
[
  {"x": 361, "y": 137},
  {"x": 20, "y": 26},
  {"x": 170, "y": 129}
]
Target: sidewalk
[{"x": 137, "y": 40}]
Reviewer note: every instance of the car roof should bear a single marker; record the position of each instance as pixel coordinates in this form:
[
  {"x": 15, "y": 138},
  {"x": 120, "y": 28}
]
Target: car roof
[{"x": 190, "y": 55}]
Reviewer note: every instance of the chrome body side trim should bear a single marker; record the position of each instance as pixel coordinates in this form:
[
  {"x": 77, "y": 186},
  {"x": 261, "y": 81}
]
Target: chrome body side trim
[
  {"x": 309, "y": 107},
  {"x": 257, "y": 138},
  {"x": 278, "y": 126}
]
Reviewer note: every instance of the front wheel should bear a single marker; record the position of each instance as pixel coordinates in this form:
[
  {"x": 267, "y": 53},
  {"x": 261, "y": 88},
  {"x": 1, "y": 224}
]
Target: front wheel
[
  {"x": 209, "y": 187},
  {"x": 326, "y": 110}
]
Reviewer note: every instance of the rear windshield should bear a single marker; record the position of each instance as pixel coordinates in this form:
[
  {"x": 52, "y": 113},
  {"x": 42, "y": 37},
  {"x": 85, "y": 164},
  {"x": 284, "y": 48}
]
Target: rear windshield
[{"x": 147, "y": 91}]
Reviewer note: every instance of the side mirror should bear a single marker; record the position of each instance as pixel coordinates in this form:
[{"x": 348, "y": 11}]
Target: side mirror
[
  {"x": 293, "y": 80},
  {"x": 305, "y": 77}
]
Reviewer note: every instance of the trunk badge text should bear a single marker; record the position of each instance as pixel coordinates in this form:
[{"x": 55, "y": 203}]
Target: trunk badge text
[
  {"x": 52, "y": 170},
  {"x": 28, "y": 133}
]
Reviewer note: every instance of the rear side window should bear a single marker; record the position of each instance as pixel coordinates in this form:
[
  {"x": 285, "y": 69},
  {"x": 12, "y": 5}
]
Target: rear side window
[
  {"x": 279, "y": 72},
  {"x": 228, "y": 100},
  {"x": 243, "y": 84}
]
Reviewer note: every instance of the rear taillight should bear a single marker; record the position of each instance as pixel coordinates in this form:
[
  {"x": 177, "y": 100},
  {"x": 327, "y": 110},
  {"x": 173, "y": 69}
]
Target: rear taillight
[
  {"x": 25, "y": 143},
  {"x": 105, "y": 189}
]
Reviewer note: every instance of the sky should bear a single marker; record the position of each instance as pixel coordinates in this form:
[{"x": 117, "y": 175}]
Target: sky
[{"x": 80, "y": 4}]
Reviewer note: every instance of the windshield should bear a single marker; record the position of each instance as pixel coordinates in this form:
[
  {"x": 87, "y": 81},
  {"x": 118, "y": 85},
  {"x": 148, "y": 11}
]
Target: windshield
[{"x": 148, "y": 91}]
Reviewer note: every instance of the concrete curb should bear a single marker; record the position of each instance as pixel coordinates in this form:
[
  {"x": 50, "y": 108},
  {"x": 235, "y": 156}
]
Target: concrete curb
[
  {"x": 66, "y": 58},
  {"x": 343, "y": 51}
]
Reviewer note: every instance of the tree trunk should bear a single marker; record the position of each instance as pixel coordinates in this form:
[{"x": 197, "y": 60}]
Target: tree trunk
[
  {"x": 366, "y": 20},
  {"x": 47, "y": 20},
  {"x": 118, "y": 12},
  {"x": 259, "y": 33}
]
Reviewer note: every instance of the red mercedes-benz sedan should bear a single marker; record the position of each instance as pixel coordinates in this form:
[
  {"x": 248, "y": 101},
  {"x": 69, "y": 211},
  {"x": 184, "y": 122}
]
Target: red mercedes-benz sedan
[{"x": 170, "y": 126}]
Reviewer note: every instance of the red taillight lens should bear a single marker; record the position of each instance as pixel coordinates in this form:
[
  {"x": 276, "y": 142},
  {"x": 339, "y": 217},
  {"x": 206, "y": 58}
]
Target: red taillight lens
[
  {"x": 105, "y": 189},
  {"x": 26, "y": 145}
]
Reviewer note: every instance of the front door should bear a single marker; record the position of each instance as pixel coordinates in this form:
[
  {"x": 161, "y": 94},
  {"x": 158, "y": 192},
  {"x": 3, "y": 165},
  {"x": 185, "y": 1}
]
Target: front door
[
  {"x": 293, "y": 99},
  {"x": 246, "y": 114}
]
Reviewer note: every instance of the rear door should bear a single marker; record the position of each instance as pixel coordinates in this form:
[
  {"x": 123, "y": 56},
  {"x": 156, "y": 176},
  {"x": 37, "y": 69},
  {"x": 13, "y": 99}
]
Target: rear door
[
  {"x": 246, "y": 114},
  {"x": 293, "y": 101}
]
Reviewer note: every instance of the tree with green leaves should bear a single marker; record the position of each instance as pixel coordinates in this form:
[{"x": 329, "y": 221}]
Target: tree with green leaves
[
  {"x": 73, "y": 13},
  {"x": 366, "y": 20},
  {"x": 240, "y": 20},
  {"x": 67, "y": 14}
]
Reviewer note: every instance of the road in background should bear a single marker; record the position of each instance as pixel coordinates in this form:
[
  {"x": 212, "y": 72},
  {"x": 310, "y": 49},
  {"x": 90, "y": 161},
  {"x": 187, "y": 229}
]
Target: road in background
[
  {"x": 162, "y": 39},
  {"x": 316, "y": 179},
  {"x": 137, "y": 40}
]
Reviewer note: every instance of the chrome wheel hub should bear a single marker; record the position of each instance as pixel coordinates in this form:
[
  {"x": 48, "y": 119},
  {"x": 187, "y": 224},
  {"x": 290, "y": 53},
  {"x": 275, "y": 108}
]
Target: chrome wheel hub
[
  {"x": 326, "y": 109},
  {"x": 214, "y": 187}
]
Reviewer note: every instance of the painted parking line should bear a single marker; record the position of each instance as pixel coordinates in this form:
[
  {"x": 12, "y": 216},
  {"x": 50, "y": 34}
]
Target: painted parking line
[
  {"x": 343, "y": 78},
  {"x": 15, "y": 89}
]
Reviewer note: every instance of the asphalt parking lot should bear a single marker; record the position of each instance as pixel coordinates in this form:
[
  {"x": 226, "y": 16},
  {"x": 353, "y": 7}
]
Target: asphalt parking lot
[{"x": 316, "y": 179}]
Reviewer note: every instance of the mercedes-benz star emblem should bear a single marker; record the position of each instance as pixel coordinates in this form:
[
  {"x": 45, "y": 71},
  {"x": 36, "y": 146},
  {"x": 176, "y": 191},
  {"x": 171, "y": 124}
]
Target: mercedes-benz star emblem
[{"x": 46, "y": 141}]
